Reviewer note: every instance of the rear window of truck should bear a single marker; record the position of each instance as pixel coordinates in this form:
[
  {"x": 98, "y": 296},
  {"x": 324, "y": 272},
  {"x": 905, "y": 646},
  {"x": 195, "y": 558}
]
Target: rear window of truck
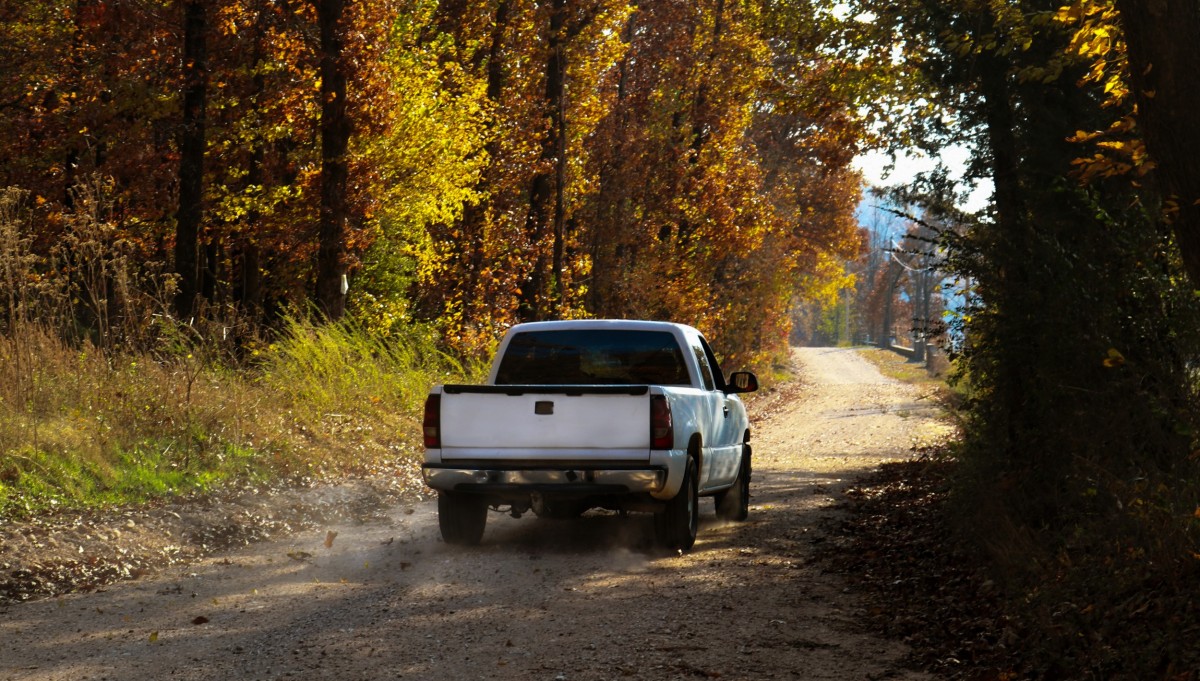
[{"x": 593, "y": 357}]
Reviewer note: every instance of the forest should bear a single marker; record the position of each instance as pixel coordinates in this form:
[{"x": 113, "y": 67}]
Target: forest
[
  {"x": 464, "y": 165},
  {"x": 310, "y": 209}
]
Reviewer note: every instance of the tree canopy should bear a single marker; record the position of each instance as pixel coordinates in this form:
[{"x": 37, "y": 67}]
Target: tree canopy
[{"x": 466, "y": 164}]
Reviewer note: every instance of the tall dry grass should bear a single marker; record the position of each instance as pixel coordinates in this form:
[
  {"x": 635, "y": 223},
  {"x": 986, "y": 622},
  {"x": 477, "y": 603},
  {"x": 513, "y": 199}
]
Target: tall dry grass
[{"x": 106, "y": 399}]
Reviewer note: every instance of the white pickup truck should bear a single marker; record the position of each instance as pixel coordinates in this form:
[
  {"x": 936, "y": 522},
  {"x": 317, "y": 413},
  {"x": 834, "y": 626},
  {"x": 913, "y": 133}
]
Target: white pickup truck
[{"x": 624, "y": 415}]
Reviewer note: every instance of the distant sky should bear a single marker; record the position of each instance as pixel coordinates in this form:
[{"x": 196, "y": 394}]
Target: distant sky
[{"x": 873, "y": 167}]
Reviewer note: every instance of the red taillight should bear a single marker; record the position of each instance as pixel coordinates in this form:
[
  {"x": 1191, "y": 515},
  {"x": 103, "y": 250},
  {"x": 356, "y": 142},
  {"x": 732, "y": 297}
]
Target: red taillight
[
  {"x": 662, "y": 430},
  {"x": 433, "y": 422}
]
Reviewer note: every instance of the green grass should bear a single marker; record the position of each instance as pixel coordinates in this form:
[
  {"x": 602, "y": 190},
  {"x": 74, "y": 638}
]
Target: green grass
[
  {"x": 84, "y": 428},
  {"x": 38, "y": 480},
  {"x": 894, "y": 365},
  {"x": 950, "y": 394}
]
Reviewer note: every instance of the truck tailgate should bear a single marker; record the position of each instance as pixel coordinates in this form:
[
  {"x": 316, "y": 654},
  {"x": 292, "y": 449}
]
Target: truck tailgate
[{"x": 540, "y": 422}]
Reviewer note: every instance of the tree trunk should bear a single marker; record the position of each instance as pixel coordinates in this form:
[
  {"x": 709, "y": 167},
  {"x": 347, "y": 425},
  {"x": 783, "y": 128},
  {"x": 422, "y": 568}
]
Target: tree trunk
[
  {"x": 210, "y": 270},
  {"x": 700, "y": 130},
  {"x": 922, "y": 282},
  {"x": 191, "y": 155},
  {"x": 335, "y": 142},
  {"x": 545, "y": 193},
  {"x": 885, "y": 331},
  {"x": 249, "y": 292},
  {"x": 607, "y": 240},
  {"x": 470, "y": 251},
  {"x": 1164, "y": 61},
  {"x": 74, "y": 79},
  {"x": 1012, "y": 259},
  {"x": 893, "y": 274}
]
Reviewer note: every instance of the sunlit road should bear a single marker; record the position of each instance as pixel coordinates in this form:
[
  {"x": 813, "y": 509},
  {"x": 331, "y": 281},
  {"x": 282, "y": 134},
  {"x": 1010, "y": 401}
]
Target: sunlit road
[{"x": 557, "y": 600}]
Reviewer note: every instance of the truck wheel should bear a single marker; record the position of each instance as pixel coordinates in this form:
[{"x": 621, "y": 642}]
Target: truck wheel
[
  {"x": 461, "y": 517},
  {"x": 734, "y": 503},
  {"x": 675, "y": 526}
]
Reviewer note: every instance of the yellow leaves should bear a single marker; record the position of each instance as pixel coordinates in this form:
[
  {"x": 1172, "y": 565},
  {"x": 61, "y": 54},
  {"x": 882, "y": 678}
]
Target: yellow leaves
[
  {"x": 1119, "y": 153},
  {"x": 1114, "y": 359},
  {"x": 1070, "y": 14},
  {"x": 827, "y": 279},
  {"x": 1098, "y": 41}
]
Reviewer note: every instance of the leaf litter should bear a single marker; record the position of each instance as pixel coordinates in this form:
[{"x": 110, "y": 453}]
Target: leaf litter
[
  {"x": 82, "y": 551},
  {"x": 932, "y": 589}
]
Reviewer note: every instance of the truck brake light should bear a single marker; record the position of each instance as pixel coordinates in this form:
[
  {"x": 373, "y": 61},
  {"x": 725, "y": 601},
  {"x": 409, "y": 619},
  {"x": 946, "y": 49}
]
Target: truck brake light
[
  {"x": 662, "y": 429},
  {"x": 433, "y": 422}
]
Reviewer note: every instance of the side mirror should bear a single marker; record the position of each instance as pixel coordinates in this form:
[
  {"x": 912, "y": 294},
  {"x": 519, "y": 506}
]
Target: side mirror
[{"x": 742, "y": 382}]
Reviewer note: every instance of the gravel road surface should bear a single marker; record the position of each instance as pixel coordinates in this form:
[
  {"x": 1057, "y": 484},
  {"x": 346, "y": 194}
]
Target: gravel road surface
[{"x": 577, "y": 600}]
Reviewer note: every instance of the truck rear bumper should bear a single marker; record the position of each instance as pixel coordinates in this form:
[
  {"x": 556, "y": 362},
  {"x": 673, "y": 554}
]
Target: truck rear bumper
[{"x": 571, "y": 480}]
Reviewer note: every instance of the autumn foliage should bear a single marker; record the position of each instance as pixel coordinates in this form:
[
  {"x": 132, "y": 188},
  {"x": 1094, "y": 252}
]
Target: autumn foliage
[{"x": 465, "y": 163}]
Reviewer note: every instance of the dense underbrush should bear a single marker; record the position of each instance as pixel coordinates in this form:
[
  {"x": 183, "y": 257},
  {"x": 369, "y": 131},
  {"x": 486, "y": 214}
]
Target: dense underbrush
[
  {"x": 1089, "y": 612},
  {"x": 1103, "y": 588}
]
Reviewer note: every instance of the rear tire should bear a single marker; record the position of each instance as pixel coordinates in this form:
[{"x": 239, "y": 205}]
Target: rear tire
[
  {"x": 461, "y": 518},
  {"x": 676, "y": 525},
  {"x": 734, "y": 503}
]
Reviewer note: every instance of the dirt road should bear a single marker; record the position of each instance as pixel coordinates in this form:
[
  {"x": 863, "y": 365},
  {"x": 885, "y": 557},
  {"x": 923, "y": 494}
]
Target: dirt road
[{"x": 574, "y": 600}]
